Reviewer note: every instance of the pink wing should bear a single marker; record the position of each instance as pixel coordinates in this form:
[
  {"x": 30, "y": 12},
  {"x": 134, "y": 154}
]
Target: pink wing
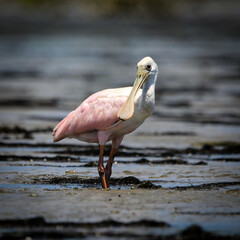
[{"x": 97, "y": 112}]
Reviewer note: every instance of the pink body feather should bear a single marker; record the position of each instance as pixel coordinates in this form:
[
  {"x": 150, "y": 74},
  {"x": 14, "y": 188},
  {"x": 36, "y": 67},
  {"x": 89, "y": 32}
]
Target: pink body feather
[{"x": 96, "y": 113}]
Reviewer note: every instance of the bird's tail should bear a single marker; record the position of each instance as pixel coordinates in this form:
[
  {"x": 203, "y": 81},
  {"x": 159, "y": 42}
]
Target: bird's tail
[{"x": 62, "y": 129}]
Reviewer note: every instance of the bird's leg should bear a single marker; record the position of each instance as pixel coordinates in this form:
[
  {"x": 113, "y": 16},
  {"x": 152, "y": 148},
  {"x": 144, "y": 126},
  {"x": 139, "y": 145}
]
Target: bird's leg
[
  {"x": 108, "y": 169},
  {"x": 101, "y": 168}
]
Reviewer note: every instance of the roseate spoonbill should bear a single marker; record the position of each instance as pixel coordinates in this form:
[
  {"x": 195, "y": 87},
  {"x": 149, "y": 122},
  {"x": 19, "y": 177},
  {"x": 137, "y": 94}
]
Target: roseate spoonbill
[{"x": 110, "y": 114}]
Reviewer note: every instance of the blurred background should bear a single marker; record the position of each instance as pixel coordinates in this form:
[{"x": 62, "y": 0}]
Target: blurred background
[{"x": 54, "y": 54}]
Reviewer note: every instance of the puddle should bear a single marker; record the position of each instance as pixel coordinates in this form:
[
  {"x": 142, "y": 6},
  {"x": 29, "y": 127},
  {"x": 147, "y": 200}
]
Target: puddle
[{"x": 29, "y": 187}]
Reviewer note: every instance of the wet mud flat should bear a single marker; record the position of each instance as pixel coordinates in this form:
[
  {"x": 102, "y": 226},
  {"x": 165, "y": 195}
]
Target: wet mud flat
[
  {"x": 63, "y": 212},
  {"x": 52, "y": 191},
  {"x": 176, "y": 177}
]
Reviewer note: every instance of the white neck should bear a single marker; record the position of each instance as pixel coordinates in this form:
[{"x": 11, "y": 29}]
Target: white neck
[{"x": 148, "y": 94}]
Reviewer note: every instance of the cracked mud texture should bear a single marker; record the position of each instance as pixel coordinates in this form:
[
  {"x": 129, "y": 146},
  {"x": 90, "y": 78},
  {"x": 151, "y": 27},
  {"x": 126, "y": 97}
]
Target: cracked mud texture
[{"x": 176, "y": 177}]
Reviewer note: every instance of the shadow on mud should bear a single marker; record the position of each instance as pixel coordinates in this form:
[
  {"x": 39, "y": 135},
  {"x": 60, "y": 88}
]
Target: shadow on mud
[{"x": 38, "y": 227}]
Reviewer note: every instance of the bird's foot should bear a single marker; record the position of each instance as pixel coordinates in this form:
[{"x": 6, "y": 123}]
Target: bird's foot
[
  {"x": 102, "y": 177},
  {"x": 108, "y": 172}
]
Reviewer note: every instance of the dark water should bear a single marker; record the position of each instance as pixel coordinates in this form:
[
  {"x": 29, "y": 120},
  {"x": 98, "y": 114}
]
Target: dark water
[{"x": 183, "y": 162}]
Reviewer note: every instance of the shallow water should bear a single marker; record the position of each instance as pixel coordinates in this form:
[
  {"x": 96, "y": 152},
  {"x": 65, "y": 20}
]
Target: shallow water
[{"x": 183, "y": 162}]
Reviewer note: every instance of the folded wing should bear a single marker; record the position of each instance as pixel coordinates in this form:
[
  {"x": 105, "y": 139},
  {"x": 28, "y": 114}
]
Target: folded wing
[{"x": 97, "y": 112}]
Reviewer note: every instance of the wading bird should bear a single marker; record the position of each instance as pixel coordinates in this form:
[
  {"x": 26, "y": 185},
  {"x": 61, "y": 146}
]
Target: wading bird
[{"x": 110, "y": 114}]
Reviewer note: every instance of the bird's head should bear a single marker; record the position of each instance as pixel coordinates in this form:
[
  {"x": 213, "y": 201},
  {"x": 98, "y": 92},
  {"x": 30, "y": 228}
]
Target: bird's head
[{"x": 146, "y": 68}]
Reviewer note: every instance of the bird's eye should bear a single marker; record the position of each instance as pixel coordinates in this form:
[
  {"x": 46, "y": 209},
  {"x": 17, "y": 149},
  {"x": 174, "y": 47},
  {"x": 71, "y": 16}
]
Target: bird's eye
[{"x": 148, "y": 67}]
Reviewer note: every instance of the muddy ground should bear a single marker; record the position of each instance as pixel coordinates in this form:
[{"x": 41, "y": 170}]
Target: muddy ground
[{"x": 176, "y": 177}]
